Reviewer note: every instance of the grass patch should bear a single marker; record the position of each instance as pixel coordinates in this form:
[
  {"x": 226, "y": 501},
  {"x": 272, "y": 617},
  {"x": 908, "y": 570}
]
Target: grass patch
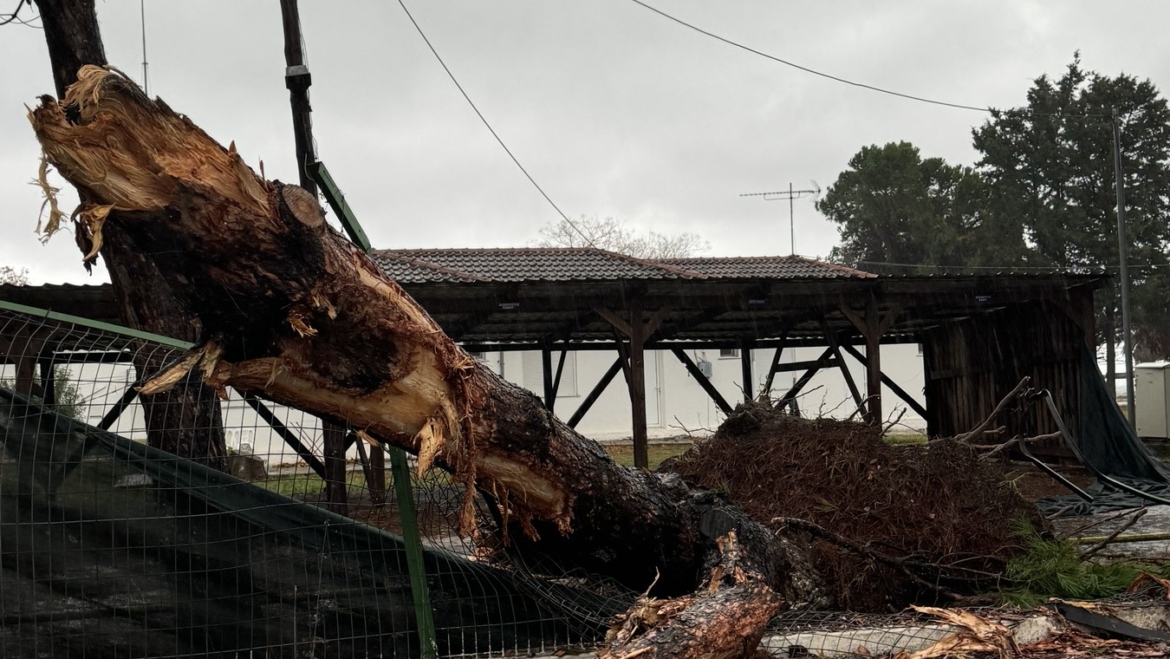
[
  {"x": 624, "y": 453},
  {"x": 904, "y": 438},
  {"x": 1053, "y": 568}
]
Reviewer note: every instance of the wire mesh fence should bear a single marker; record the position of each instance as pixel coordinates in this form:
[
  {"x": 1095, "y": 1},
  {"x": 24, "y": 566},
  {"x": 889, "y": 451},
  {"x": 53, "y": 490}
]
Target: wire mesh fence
[{"x": 183, "y": 525}]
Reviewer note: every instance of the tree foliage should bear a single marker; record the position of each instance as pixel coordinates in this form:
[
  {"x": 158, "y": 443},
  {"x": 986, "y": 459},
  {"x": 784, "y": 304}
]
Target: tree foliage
[
  {"x": 1050, "y": 165},
  {"x": 899, "y": 212},
  {"x": 10, "y": 275},
  {"x": 68, "y": 397},
  {"x": 610, "y": 234}
]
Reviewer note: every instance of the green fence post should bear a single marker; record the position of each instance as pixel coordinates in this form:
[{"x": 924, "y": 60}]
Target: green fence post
[{"x": 414, "y": 558}]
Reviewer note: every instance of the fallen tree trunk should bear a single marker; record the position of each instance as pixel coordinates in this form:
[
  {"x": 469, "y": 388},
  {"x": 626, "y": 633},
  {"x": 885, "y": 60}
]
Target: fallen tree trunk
[{"x": 293, "y": 312}]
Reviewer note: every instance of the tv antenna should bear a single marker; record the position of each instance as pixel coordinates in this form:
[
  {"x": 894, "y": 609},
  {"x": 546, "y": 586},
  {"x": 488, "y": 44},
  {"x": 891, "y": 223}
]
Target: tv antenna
[
  {"x": 791, "y": 195},
  {"x": 145, "y": 81}
]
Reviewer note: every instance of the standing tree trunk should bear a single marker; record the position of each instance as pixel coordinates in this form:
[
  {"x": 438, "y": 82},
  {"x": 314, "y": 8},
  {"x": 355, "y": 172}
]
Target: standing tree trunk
[
  {"x": 186, "y": 420},
  {"x": 292, "y": 311}
]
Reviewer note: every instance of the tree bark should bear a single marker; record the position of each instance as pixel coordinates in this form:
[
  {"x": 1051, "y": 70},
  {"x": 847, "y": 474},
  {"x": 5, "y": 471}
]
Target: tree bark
[
  {"x": 186, "y": 420},
  {"x": 293, "y": 312}
]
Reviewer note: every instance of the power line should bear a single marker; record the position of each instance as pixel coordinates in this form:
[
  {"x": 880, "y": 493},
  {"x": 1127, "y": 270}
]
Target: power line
[
  {"x": 479, "y": 114},
  {"x": 15, "y": 16},
  {"x": 1046, "y": 268},
  {"x": 806, "y": 69},
  {"x": 853, "y": 83}
]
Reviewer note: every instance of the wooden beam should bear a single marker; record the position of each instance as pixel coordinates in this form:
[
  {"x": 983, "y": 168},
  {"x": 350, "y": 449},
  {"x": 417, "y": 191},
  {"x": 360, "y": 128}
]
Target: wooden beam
[
  {"x": 702, "y": 380},
  {"x": 767, "y": 390},
  {"x": 820, "y": 363},
  {"x": 556, "y": 387},
  {"x": 745, "y": 365},
  {"x": 845, "y": 372},
  {"x": 614, "y": 320},
  {"x": 292, "y": 440},
  {"x": 595, "y": 393},
  {"x": 805, "y": 365},
  {"x": 655, "y": 321},
  {"x": 893, "y": 386}
]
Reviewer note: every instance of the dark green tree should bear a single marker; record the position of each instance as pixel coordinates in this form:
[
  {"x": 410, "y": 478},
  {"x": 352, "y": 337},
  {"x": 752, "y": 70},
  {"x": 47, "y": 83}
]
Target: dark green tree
[
  {"x": 900, "y": 213},
  {"x": 1050, "y": 167}
]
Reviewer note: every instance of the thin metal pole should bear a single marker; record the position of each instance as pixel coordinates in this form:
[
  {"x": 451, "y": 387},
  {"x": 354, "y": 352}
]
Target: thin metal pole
[
  {"x": 145, "y": 80},
  {"x": 791, "y": 222},
  {"x": 1123, "y": 256}
]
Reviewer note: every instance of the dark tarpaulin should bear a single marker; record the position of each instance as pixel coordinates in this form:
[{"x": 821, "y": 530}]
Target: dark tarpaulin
[
  {"x": 111, "y": 548},
  {"x": 1109, "y": 445}
]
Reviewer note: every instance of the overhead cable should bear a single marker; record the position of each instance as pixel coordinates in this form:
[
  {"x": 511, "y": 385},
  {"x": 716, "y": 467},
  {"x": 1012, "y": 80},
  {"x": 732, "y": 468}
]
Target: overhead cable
[{"x": 489, "y": 126}]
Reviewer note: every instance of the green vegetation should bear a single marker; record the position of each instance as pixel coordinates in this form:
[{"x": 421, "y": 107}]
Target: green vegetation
[
  {"x": 1054, "y": 568},
  {"x": 624, "y": 453},
  {"x": 903, "y": 438},
  {"x": 69, "y": 398}
]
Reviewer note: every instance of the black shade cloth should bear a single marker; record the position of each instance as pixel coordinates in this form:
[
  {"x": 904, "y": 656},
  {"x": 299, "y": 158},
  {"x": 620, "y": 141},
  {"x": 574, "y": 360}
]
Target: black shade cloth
[{"x": 111, "y": 548}]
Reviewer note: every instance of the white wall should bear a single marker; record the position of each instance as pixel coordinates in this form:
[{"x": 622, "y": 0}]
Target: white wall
[{"x": 675, "y": 401}]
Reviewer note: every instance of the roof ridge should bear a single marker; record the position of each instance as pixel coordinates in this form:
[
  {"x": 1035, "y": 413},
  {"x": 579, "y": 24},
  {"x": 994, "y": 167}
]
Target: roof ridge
[
  {"x": 836, "y": 266},
  {"x": 672, "y": 269},
  {"x": 430, "y": 265}
]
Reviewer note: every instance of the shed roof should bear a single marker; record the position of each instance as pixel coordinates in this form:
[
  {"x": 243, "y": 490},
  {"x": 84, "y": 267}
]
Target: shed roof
[
  {"x": 538, "y": 296},
  {"x": 585, "y": 264}
]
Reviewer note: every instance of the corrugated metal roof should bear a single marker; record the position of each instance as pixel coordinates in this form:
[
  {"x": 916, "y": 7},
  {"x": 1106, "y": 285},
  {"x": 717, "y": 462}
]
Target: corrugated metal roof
[{"x": 590, "y": 264}]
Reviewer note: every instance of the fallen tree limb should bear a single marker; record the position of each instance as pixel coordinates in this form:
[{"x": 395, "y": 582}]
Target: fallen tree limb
[
  {"x": 980, "y": 429},
  {"x": 725, "y": 618},
  {"x": 1113, "y": 536},
  {"x": 293, "y": 312}
]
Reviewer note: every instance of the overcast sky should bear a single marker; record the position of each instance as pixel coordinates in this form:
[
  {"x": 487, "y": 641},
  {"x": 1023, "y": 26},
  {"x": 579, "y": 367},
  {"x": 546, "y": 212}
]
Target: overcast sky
[{"x": 613, "y": 109}]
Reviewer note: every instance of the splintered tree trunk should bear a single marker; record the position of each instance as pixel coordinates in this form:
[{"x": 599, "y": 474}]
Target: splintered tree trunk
[
  {"x": 186, "y": 420},
  {"x": 292, "y": 311}
]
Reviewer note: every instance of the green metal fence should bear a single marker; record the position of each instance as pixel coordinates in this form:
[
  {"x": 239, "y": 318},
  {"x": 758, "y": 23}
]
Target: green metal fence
[{"x": 289, "y": 542}]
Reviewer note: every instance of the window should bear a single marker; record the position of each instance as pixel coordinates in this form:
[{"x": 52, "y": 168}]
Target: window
[
  {"x": 534, "y": 373},
  {"x": 478, "y": 355},
  {"x": 729, "y": 353}
]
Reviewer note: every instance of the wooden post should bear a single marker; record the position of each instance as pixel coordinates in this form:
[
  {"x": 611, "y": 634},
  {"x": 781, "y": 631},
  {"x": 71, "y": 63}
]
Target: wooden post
[
  {"x": 873, "y": 357},
  {"x": 48, "y": 383},
  {"x": 637, "y": 330},
  {"x": 378, "y": 472},
  {"x": 872, "y": 327},
  {"x": 550, "y": 394},
  {"x": 334, "y": 439},
  {"x": 745, "y": 365},
  {"x": 638, "y": 385}
]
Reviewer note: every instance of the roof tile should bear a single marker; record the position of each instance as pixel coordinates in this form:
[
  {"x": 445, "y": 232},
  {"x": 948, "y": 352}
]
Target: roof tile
[{"x": 590, "y": 264}]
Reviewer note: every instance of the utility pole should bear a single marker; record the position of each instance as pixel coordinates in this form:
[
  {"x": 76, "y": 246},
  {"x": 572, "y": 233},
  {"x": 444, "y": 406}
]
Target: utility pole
[
  {"x": 791, "y": 195},
  {"x": 298, "y": 80},
  {"x": 1123, "y": 257}
]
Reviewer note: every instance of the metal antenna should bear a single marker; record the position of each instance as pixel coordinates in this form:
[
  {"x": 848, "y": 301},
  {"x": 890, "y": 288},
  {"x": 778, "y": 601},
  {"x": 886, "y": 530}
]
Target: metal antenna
[
  {"x": 145, "y": 80},
  {"x": 791, "y": 195}
]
